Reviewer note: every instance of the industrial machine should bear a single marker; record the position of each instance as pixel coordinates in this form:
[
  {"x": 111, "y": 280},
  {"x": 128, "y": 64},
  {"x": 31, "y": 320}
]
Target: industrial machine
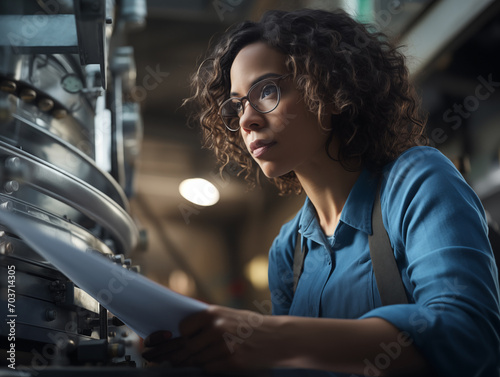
[{"x": 70, "y": 132}]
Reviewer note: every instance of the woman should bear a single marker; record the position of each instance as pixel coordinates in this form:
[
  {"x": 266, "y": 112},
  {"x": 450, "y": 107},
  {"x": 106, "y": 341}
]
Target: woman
[{"x": 318, "y": 103}]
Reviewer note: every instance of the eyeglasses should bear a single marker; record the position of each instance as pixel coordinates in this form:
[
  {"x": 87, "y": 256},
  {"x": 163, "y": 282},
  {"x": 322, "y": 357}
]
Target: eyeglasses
[{"x": 263, "y": 96}]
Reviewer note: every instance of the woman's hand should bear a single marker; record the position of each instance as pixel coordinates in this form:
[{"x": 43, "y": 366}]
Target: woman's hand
[
  {"x": 218, "y": 339},
  {"x": 159, "y": 347},
  {"x": 221, "y": 339}
]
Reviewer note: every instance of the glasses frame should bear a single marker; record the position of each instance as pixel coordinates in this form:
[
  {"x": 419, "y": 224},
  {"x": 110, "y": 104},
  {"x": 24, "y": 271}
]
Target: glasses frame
[{"x": 274, "y": 80}]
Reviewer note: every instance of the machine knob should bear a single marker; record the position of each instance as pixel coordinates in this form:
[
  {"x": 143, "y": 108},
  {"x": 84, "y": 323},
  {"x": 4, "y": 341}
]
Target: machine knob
[
  {"x": 11, "y": 187},
  {"x": 45, "y": 104},
  {"x": 8, "y": 86},
  {"x": 60, "y": 113},
  {"x": 27, "y": 95}
]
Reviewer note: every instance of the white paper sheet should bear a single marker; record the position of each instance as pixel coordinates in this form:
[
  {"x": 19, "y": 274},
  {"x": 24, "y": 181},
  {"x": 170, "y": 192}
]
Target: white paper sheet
[{"x": 143, "y": 305}]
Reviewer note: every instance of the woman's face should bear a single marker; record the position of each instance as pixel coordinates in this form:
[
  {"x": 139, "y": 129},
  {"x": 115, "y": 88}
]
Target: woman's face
[{"x": 290, "y": 137}]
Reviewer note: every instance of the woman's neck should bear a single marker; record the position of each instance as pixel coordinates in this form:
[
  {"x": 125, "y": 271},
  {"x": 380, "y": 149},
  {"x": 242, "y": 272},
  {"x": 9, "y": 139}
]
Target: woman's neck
[{"x": 328, "y": 186}]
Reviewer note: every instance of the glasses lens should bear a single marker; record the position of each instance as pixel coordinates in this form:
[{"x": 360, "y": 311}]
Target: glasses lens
[
  {"x": 264, "y": 96},
  {"x": 230, "y": 113}
]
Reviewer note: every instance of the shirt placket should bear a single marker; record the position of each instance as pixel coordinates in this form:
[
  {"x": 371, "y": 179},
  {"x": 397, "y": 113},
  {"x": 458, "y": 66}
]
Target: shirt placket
[{"x": 320, "y": 261}]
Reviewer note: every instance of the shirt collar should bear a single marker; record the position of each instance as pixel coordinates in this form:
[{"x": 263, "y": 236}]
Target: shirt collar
[{"x": 357, "y": 211}]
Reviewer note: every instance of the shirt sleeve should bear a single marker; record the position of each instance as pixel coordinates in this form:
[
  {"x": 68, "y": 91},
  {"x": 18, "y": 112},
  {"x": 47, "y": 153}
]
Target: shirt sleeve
[{"x": 438, "y": 231}]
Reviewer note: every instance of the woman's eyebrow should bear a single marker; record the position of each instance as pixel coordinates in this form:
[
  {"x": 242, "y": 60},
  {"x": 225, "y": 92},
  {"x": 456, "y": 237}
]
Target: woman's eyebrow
[{"x": 260, "y": 78}]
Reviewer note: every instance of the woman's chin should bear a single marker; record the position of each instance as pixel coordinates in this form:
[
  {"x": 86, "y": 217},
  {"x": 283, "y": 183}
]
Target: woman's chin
[{"x": 273, "y": 171}]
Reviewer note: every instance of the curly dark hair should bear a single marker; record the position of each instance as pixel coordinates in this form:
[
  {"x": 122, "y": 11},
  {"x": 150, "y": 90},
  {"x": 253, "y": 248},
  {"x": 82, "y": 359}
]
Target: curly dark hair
[{"x": 336, "y": 62}]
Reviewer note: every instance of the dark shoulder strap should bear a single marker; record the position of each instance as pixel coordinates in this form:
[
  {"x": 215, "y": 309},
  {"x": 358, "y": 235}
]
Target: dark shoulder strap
[
  {"x": 389, "y": 283},
  {"x": 298, "y": 261}
]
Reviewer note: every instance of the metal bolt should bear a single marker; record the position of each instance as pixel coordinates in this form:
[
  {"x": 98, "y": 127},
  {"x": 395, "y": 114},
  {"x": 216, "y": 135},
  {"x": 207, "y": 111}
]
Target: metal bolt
[
  {"x": 119, "y": 258},
  {"x": 135, "y": 269},
  {"x": 27, "y": 95},
  {"x": 11, "y": 187},
  {"x": 50, "y": 315},
  {"x": 60, "y": 113},
  {"x": 7, "y": 206},
  {"x": 45, "y": 104},
  {"x": 8, "y": 86},
  {"x": 13, "y": 163},
  {"x": 8, "y": 248}
]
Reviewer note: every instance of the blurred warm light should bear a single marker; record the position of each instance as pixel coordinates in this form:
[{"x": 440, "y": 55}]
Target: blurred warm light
[
  {"x": 256, "y": 272},
  {"x": 199, "y": 191},
  {"x": 181, "y": 283}
]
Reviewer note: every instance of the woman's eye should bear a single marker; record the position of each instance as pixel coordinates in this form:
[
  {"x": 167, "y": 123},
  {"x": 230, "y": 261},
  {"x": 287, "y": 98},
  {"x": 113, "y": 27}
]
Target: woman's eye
[{"x": 267, "y": 91}]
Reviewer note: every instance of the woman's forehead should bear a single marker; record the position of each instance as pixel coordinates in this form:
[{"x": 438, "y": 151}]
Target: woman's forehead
[{"x": 253, "y": 61}]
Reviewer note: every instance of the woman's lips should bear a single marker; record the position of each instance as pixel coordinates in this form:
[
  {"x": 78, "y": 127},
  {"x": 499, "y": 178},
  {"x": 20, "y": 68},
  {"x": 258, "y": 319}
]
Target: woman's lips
[{"x": 259, "y": 147}]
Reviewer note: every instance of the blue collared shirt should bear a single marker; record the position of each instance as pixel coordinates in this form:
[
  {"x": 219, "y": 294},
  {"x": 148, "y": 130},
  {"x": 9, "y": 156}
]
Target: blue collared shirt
[{"x": 438, "y": 232}]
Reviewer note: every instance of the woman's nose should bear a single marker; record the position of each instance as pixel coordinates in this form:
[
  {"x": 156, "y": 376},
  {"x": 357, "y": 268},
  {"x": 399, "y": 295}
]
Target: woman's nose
[{"x": 251, "y": 118}]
